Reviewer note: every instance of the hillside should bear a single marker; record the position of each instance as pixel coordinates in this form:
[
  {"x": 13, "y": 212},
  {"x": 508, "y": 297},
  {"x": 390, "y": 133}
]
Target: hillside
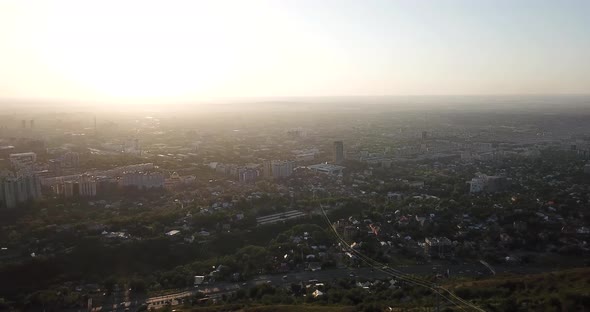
[{"x": 567, "y": 290}]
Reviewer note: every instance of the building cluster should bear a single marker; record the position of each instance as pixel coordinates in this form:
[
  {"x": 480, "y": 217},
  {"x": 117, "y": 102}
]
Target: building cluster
[
  {"x": 26, "y": 183},
  {"x": 261, "y": 167},
  {"x": 580, "y": 147},
  {"x": 87, "y": 185},
  {"x": 21, "y": 184},
  {"x": 278, "y": 169},
  {"x": 15, "y": 190},
  {"x": 103, "y": 174},
  {"x": 327, "y": 168},
  {"x": 270, "y": 169},
  {"x": 175, "y": 181},
  {"x": 246, "y": 174}
]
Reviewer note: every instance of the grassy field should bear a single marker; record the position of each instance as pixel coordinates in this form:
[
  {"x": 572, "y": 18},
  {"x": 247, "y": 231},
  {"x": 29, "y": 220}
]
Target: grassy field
[{"x": 567, "y": 290}]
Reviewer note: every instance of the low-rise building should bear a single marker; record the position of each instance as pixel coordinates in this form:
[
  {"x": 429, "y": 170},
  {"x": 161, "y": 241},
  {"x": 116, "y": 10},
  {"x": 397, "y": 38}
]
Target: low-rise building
[{"x": 327, "y": 168}]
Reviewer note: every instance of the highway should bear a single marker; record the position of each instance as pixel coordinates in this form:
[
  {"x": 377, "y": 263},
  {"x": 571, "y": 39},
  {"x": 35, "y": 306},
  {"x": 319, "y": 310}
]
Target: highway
[{"x": 133, "y": 302}]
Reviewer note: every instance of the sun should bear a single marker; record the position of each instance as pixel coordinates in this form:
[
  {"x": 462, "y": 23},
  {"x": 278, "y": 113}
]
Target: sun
[{"x": 140, "y": 51}]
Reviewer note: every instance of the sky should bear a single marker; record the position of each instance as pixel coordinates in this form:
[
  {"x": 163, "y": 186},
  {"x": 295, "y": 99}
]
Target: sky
[{"x": 137, "y": 51}]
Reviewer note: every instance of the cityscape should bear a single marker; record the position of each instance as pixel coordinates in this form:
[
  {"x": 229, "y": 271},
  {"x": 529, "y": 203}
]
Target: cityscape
[
  {"x": 289, "y": 208},
  {"x": 294, "y": 156}
]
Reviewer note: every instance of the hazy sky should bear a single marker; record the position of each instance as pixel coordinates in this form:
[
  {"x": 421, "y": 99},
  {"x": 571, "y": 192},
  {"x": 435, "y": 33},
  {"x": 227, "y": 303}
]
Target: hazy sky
[{"x": 131, "y": 51}]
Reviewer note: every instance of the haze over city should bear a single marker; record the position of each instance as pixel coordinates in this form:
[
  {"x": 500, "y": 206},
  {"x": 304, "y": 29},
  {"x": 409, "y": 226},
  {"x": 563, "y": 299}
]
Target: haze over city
[
  {"x": 133, "y": 52},
  {"x": 309, "y": 156}
]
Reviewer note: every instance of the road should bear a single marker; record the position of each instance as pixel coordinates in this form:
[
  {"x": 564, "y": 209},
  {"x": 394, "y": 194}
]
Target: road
[{"x": 120, "y": 302}]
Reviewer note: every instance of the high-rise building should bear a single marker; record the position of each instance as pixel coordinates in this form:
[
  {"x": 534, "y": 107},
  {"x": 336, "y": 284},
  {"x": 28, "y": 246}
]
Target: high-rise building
[
  {"x": 281, "y": 168},
  {"x": 87, "y": 186},
  {"x": 19, "y": 189},
  {"x": 23, "y": 124},
  {"x": 69, "y": 189},
  {"x": 32, "y": 123},
  {"x": 424, "y": 135},
  {"x": 9, "y": 193},
  {"x": 267, "y": 169},
  {"x": 246, "y": 175},
  {"x": 338, "y": 152}
]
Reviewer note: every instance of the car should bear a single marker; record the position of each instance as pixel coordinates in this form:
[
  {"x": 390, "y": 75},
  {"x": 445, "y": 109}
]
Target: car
[{"x": 285, "y": 277}]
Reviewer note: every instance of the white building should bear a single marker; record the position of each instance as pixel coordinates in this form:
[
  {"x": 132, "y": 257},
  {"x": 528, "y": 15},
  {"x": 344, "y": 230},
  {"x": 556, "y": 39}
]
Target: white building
[{"x": 327, "y": 168}]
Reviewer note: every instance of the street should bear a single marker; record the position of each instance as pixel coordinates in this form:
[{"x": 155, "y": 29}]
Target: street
[{"x": 125, "y": 301}]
